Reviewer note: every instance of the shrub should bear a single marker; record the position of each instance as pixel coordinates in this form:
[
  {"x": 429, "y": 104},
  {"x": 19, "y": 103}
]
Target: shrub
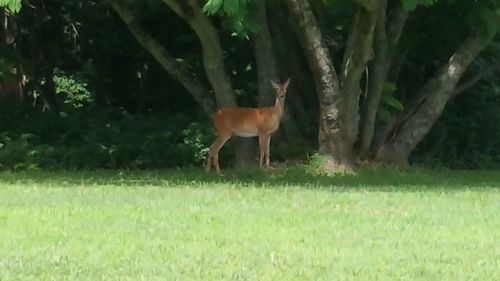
[{"x": 100, "y": 141}]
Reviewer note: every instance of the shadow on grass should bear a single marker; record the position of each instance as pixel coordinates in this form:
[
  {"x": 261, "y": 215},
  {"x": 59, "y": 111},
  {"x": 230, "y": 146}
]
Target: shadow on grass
[{"x": 373, "y": 179}]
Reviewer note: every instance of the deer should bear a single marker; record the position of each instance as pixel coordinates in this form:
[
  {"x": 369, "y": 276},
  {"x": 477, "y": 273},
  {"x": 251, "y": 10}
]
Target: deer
[{"x": 259, "y": 122}]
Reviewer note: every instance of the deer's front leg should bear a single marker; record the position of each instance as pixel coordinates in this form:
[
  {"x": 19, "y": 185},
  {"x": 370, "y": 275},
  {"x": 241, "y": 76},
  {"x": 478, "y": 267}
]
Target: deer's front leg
[{"x": 268, "y": 150}]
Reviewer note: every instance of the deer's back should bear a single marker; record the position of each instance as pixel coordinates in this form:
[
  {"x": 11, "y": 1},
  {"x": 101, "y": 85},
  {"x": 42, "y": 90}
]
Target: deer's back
[{"x": 246, "y": 121}]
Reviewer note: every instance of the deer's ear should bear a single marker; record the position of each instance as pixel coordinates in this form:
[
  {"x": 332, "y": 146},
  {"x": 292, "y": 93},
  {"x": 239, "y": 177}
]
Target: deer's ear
[
  {"x": 287, "y": 83},
  {"x": 274, "y": 84}
]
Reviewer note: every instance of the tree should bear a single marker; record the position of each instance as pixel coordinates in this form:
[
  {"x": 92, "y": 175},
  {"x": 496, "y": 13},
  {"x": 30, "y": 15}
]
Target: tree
[
  {"x": 12, "y": 79},
  {"x": 353, "y": 88},
  {"x": 374, "y": 34},
  {"x": 213, "y": 58}
]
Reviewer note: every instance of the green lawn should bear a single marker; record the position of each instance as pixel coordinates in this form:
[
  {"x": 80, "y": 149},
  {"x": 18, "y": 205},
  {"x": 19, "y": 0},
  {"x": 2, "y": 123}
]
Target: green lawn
[{"x": 250, "y": 225}]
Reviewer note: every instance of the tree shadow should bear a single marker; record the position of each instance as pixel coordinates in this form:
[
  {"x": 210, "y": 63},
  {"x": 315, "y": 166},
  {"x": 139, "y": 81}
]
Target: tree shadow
[{"x": 373, "y": 179}]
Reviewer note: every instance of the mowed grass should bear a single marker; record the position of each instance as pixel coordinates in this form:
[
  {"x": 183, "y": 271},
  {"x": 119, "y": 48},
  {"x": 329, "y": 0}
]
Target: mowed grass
[{"x": 250, "y": 225}]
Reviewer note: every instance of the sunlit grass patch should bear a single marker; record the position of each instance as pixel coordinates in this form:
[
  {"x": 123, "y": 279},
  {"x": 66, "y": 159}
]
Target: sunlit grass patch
[{"x": 249, "y": 225}]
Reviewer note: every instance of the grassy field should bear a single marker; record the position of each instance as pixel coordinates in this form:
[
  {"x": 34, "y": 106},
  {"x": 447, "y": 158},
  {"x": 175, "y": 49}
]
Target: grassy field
[{"x": 250, "y": 225}]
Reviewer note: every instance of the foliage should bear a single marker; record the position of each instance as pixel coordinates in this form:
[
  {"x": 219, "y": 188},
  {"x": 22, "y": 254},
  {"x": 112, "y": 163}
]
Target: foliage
[
  {"x": 389, "y": 103},
  {"x": 235, "y": 15},
  {"x": 411, "y": 5},
  {"x": 465, "y": 142},
  {"x": 97, "y": 66},
  {"x": 83, "y": 141},
  {"x": 74, "y": 92},
  {"x": 13, "y": 6}
]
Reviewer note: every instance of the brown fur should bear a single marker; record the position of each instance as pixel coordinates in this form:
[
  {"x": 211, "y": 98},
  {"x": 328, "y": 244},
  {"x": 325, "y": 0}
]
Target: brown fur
[{"x": 248, "y": 122}]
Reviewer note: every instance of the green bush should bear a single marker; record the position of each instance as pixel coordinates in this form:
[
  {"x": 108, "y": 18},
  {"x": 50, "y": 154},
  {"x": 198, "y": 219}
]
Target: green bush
[
  {"x": 467, "y": 135},
  {"x": 100, "y": 141}
]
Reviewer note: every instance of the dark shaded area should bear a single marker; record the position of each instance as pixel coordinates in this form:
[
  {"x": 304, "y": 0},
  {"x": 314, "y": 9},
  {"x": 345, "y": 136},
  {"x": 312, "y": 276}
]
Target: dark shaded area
[
  {"x": 370, "y": 180},
  {"x": 112, "y": 106}
]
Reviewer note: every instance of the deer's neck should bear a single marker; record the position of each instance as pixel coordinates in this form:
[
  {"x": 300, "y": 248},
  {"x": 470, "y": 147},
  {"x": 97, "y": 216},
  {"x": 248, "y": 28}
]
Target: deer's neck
[{"x": 279, "y": 106}]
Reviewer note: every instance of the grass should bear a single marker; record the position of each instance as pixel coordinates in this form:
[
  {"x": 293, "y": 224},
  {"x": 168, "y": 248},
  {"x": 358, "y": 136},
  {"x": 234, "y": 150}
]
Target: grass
[{"x": 249, "y": 225}]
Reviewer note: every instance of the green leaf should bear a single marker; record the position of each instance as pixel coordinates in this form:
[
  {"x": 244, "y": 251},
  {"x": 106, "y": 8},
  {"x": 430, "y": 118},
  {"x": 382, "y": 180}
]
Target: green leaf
[
  {"x": 485, "y": 18},
  {"x": 389, "y": 88},
  {"x": 410, "y": 5},
  {"x": 231, "y": 6},
  {"x": 14, "y": 6},
  {"x": 211, "y": 7},
  {"x": 394, "y": 103},
  {"x": 383, "y": 114}
]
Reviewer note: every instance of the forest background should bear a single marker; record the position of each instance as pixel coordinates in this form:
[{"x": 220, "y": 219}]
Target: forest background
[{"x": 131, "y": 84}]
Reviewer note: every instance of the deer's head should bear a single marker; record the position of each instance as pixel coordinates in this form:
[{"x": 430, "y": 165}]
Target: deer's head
[{"x": 280, "y": 88}]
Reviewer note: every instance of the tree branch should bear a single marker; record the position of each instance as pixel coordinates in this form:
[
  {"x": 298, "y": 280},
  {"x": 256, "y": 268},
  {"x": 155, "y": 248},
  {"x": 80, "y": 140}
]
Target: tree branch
[
  {"x": 478, "y": 77},
  {"x": 436, "y": 95},
  {"x": 397, "y": 21},
  {"x": 193, "y": 85},
  {"x": 213, "y": 58},
  {"x": 370, "y": 5}
]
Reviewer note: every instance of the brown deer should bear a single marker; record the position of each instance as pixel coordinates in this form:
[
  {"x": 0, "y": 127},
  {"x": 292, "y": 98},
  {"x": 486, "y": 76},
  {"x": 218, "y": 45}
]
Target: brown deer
[{"x": 248, "y": 122}]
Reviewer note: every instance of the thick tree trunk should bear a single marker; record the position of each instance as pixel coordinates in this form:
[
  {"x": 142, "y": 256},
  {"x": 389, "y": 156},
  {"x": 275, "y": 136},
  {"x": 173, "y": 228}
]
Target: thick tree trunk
[
  {"x": 436, "y": 93},
  {"x": 287, "y": 47},
  {"x": 193, "y": 85},
  {"x": 264, "y": 56},
  {"x": 331, "y": 140},
  {"x": 267, "y": 69},
  {"x": 339, "y": 102},
  {"x": 214, "y": 67},
  {"x": 12, "y": 87},
  {"x": 13, "y": 81},
  {"x": 386, "y": 38},
  {"x": 359, "y": 51}
]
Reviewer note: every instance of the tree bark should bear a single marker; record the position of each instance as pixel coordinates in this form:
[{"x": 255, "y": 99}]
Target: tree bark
[
  {"x": 216, "y": 72},
  {"x": 436, "y": 94},
  {"x": 331, "y": 141},
  {"x": 13, "y": 80},
  {"x": 264, "y": 56},
  {"x": 193, "y": 85},
  {"x": 386, "y": 38},
  {"x": 291, "y": 59},
  {"x": 213, "y": 57},
  {"x": 359, "y": 51},
  {"x": 478, "y": 77},
  {"x": 267, "y": 69}
]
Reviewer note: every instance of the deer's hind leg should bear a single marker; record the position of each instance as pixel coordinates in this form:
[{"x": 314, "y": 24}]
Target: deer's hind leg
[
  {"x": 262, "y": 149},
  {"x": 213, "y": 152}
]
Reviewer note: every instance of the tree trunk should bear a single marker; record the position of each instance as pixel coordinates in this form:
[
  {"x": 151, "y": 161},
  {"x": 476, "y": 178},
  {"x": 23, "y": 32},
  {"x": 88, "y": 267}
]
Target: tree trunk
[
  {"x": 383, "y": 41},
  {"x": 214, "y": 68},
  {"x": 50, "y": 101},
  {"x": 331, "y": 140},
  {"x": 338, "y": 102},
  {"x": 359, "y": 51},
  {"x": 290, "y": 55},
  {"x": 436, "y": 93},
  {"x": 13, "y": 80},
  {"x": 264, "y": 56},
  {"x": 267, "y": 70}
]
